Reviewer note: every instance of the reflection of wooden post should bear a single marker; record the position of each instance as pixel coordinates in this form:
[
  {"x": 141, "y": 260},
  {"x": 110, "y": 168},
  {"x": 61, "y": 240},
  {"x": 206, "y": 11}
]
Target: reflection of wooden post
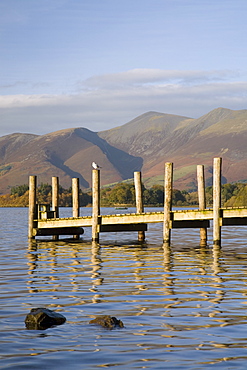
[
  {"x": 139, "y": 200},
  {"x": 55, "y": 200},
  {"x": 96, "y": 204},
  {"x": 167, "y": 203},
  {"x": 75, "y": 200},
  {"x": 217, "y": 201},
  {"x": 202, "y": 201},
  {"x": 32, "y": 205}
]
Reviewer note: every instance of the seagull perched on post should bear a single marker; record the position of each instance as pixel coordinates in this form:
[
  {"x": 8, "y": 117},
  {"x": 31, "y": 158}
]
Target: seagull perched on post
[{"x": 95, "y": 166}]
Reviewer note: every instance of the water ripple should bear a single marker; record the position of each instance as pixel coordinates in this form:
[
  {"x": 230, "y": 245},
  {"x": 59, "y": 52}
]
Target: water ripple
[{"x": 182, "y": 307}]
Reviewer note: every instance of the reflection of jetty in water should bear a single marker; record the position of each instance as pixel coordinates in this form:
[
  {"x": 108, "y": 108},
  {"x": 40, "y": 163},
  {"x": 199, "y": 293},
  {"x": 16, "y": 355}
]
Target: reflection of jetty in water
[
  {"x": 59, "y": 267},
  {"x": 149, "y": 279}
]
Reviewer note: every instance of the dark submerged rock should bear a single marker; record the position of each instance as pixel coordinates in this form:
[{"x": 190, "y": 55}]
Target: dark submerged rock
[
  {"x": 43, "y": 318},
  {"x": 107, "y": 322}
]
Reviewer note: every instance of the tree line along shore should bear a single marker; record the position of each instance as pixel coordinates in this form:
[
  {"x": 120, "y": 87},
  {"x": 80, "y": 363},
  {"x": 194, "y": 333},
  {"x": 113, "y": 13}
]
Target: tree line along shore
[{"x": 123, "y": 194}]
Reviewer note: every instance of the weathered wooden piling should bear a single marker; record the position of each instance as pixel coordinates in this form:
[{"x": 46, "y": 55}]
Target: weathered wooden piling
[
  {"x": 55, "y": 196},
  {"x": 55, "y": 200},
  {"x": 32, "y": 206},
  {"x": 75, "y": 200},
  {"x": 139, "y": 200},
  {"x": 202, "y": 201},
  {"x": 96, "y": 204},
  {"x": 167, "y": 203},
  {"x": 217, "y": 201}
]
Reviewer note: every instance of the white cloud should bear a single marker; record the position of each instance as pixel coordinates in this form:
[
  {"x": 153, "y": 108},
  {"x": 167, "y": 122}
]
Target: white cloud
[
  {"x": 110, "y": 100},
  {"x": 150, "y": 76}
]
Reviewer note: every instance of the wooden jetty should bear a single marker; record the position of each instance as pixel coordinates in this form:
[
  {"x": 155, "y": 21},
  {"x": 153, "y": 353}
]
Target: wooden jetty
[{"x": 44, "y": 221}]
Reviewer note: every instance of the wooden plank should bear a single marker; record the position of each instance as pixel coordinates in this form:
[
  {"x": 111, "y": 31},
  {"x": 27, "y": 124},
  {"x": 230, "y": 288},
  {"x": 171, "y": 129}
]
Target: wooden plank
[
  {"x": 135, "y": 218},
  {"x": 59, "y": 231},
  {"x": 234, "y": 212},
  {"x": 65, "y": 222},
  {"x": 193, "y": 214},
  {"x": 234, "y": 221},
  {"x": 195, "y": 224},
  {"x": 123, "y": 227},
  {"x": 132, "y": 218}
]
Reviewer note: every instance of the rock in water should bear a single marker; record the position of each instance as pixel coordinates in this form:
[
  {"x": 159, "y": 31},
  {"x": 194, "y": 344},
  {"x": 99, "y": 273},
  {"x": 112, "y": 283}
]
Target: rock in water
[
  {"x": 107, "y": 322},
  {"x": 43, "y": 318}
]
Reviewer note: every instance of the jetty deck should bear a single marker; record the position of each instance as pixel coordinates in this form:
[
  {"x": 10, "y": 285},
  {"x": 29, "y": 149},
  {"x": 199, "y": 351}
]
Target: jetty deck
[
  {"x": 43, "y": 221},
  {"x": 189, "y": 218}
]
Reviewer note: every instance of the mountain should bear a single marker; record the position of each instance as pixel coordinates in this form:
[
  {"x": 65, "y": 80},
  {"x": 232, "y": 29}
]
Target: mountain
[
  {"x": 66, "y": 154},
  {"x": 145, "y": 144},
  {"x": 140, "y": 135},
  {"x": 186, "y": 142}
]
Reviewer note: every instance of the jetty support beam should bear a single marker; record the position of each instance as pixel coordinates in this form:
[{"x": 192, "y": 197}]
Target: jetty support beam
[
  {"x": 59, "y": 231},
  {"x": 32, "y": 206},
  {"x": 96, "y": 204},
  {"x": 139, "y": 201},
  {"x": 167, "y": 203},
  {"x": 217, "y": 201},
  {"x": 202, "y": 201}
]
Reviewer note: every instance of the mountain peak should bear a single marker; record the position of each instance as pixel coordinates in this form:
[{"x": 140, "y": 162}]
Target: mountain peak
[{"x": 217, "y": 114}]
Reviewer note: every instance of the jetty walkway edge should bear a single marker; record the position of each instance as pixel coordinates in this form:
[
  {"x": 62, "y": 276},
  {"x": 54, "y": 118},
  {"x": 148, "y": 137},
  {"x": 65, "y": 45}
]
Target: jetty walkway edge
[{"x": 43, "y": 221}]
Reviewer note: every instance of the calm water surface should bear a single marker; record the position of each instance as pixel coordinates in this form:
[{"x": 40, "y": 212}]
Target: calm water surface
[{"x": 183, "y": 307}]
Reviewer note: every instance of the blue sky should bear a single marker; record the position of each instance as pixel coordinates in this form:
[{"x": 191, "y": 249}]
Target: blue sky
[{"x": 100, "y": 63}]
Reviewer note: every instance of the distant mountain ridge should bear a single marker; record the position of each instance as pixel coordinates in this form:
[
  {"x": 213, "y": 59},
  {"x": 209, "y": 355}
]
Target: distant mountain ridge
[
  {"x": 188, "y": 142},
  {"x": 145, "y": 144},
  {"x": 67, "y": 153}
]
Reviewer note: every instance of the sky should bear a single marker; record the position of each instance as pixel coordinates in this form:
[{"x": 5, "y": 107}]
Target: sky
[{"x": 99, "y": 64}]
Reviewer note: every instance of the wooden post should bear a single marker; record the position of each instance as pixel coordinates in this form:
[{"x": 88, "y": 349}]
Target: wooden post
[
  {"x": 139, "y": 201},
  {"x": 55, "y": 196},
  {"x": 75, "y": 200},
  {"x": 217, "y": 201},
  {"x": 202, "y": 201},
  {"x": 32, "y": 205},
  {"x": 55, "y": 200},
  {"x": 167, "y": 203},
  {"x": 96, "y": 204}
]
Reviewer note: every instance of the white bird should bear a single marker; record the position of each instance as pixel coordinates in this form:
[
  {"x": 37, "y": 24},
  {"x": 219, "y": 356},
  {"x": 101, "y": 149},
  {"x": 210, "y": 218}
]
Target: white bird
[{"x": 95, "y": 166}]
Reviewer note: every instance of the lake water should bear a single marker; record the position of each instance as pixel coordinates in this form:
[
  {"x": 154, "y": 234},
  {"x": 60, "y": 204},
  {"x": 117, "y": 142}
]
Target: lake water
[{"x": 183, "y": 307}]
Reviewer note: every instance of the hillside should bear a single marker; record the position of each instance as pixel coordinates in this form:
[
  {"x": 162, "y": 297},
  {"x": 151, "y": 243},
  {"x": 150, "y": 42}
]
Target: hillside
[
  {"x": 142, "y": 134},
  {"x": 188, "y": 142},
  {"x": 66, "y": 153},
  {"x": 144, "y": 143}
]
